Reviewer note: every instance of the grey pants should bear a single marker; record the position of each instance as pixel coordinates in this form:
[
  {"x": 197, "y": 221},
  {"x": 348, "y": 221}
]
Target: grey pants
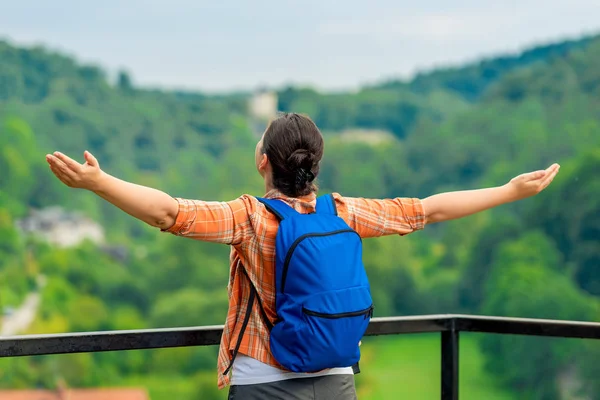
[{"x": 328, "y": 387}]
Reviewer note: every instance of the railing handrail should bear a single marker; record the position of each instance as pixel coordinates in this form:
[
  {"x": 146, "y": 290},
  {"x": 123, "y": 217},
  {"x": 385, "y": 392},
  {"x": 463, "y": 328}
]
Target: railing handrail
[
  {"x": 450, "y": 325},
  {"x": 78, "y": 342},
  {"x": 485, "y": 324}
]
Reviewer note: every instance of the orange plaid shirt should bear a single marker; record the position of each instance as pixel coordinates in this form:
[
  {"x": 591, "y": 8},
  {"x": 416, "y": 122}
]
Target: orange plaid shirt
[{"x": 250, "y": 229}]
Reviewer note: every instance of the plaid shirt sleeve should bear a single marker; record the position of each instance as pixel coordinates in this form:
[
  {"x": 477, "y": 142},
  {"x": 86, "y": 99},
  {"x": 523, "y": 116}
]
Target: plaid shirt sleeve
[
  {"x": 214, "y": 221},
  {"x": 373, "y": 218}
]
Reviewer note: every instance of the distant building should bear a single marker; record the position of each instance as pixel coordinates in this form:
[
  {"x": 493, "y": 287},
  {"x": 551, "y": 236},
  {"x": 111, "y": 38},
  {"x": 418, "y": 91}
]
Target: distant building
[
  {"x": 263, "y": 105},
  {"x": 61, "y": 228},
  {"x": 75, "y": 394}
]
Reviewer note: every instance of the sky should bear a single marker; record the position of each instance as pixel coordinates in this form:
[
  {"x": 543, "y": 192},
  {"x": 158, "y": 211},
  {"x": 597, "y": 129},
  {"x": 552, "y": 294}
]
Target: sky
[{"x": 226, "y": 45}]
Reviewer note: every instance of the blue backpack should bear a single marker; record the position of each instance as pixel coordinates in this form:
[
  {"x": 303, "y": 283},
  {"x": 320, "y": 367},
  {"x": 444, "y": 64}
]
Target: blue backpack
[{"x": 323, "y": 299}]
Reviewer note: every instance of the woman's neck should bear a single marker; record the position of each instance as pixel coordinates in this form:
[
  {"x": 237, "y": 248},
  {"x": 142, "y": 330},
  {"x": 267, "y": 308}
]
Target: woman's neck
[{"x": 268, "y": 185}]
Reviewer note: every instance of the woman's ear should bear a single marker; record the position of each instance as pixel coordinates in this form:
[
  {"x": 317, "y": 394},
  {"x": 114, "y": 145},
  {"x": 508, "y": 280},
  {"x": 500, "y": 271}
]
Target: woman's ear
[{"x": 263, "y": 162}]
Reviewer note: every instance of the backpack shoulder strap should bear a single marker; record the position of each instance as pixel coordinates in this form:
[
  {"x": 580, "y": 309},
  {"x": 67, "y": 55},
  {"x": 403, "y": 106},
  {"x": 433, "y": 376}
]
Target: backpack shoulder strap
[
  {"x": 278, "y": 207},
  {"x": 326, "y": 205},
  {"x": 267, "y": 322}
]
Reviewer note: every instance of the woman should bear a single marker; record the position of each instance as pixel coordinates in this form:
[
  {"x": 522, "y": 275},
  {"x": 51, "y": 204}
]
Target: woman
[{"x": 288, "y": 158}]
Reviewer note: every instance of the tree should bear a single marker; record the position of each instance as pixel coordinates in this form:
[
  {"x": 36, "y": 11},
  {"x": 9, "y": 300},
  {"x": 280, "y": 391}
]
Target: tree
[
  {"x": 570, "y": 214},
  {"x": 124, "y": 82},
  {"x": 190, "y": 307},
  {"x": 527, "y": 281}
]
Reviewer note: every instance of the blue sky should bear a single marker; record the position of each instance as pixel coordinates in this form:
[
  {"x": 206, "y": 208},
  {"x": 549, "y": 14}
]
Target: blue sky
[{"x": 226, "y": 45}]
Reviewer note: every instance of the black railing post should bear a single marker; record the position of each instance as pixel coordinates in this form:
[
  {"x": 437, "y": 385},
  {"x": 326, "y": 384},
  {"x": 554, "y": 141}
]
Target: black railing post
[{"x": 450, "y": 363}]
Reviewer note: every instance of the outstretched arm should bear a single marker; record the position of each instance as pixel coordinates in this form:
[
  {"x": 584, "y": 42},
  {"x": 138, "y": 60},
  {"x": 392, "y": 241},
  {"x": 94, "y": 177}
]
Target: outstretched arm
[
  {"x": 152, "y": 206},
  {"x": 453, "y": 205}
]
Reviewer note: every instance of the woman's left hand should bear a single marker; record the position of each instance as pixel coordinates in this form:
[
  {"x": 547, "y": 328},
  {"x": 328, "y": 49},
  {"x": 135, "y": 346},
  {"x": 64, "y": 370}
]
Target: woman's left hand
[{"x": 532, "y": 183}]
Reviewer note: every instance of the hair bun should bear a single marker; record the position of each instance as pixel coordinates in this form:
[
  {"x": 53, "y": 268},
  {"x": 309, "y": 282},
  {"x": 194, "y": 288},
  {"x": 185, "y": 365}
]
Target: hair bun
[{"x": 301, "y": 158}]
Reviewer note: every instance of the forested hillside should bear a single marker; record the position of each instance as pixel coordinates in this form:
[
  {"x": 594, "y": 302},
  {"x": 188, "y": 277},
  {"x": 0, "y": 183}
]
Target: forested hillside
[{"x": 449, "y": 129}]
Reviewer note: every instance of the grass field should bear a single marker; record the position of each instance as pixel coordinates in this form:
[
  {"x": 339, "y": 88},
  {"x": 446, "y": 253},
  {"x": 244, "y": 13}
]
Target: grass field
[{"x": 408, "y": 367}]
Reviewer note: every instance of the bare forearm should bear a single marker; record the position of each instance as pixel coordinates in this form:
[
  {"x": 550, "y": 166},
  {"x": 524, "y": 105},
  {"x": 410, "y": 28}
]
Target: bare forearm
[
  {"x": 453, "y": 205},
  {"x": 149, "y": 205}
]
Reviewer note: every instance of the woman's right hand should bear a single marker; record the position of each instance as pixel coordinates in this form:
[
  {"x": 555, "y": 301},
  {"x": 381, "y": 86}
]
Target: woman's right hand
[
  {"x": 73, "y": 174},
  {"x": 152, "y": 206}
]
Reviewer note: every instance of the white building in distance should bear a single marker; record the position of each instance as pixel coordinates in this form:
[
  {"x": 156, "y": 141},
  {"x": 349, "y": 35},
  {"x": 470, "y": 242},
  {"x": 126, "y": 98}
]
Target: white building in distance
[
  {"x": 61, "y": 228},
  {"x": 263, "y": 105}
]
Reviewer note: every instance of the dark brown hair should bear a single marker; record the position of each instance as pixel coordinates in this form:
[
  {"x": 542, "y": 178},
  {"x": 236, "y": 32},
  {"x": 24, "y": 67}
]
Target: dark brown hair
[{"x": 294, "y": 147}]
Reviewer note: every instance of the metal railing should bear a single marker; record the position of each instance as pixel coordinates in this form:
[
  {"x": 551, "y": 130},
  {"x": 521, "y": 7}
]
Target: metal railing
[{"x": 448, "y": 325}]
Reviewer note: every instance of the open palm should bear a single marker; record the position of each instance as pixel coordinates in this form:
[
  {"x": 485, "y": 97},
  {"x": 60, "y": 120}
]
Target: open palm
[
  {"x": 74, "y": 174},
  {"x": 531, "y": 183}
]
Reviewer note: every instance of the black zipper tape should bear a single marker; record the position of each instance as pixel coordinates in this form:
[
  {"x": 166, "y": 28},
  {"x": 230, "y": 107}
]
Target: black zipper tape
[{"x": 368, "y": 312}]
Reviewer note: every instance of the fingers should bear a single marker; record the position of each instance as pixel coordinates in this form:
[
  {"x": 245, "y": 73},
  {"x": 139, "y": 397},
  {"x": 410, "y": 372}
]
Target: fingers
[
  {"x": 543, "y": 174},
  {"x": 69, "y": 162},
  {"x": 552, "y": 167},
  {"x": 70, "y": 172},
  {"x": 534, "y": 176},
  {"x": 90, "y": 159},
  {"x": 548, "y": 179},
  {"x": 57, "y": 172},
  {"x": 58, "y": 165},
  {"x": 60, "y": 169}
]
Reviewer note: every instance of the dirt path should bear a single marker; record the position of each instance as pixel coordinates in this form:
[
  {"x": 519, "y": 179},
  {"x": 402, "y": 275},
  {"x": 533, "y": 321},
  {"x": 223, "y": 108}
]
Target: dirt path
[{"x": 22, "y": 317}]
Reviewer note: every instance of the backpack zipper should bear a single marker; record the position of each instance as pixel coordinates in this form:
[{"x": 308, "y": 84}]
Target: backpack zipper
[
  {"x": 288, "y": 256},
  {"x": 367, "y": 312}
]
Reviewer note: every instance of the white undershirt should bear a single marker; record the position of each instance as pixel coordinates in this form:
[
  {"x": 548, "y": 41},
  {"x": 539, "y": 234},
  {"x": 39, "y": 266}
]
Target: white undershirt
[{"x": 249, "y": 371}]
